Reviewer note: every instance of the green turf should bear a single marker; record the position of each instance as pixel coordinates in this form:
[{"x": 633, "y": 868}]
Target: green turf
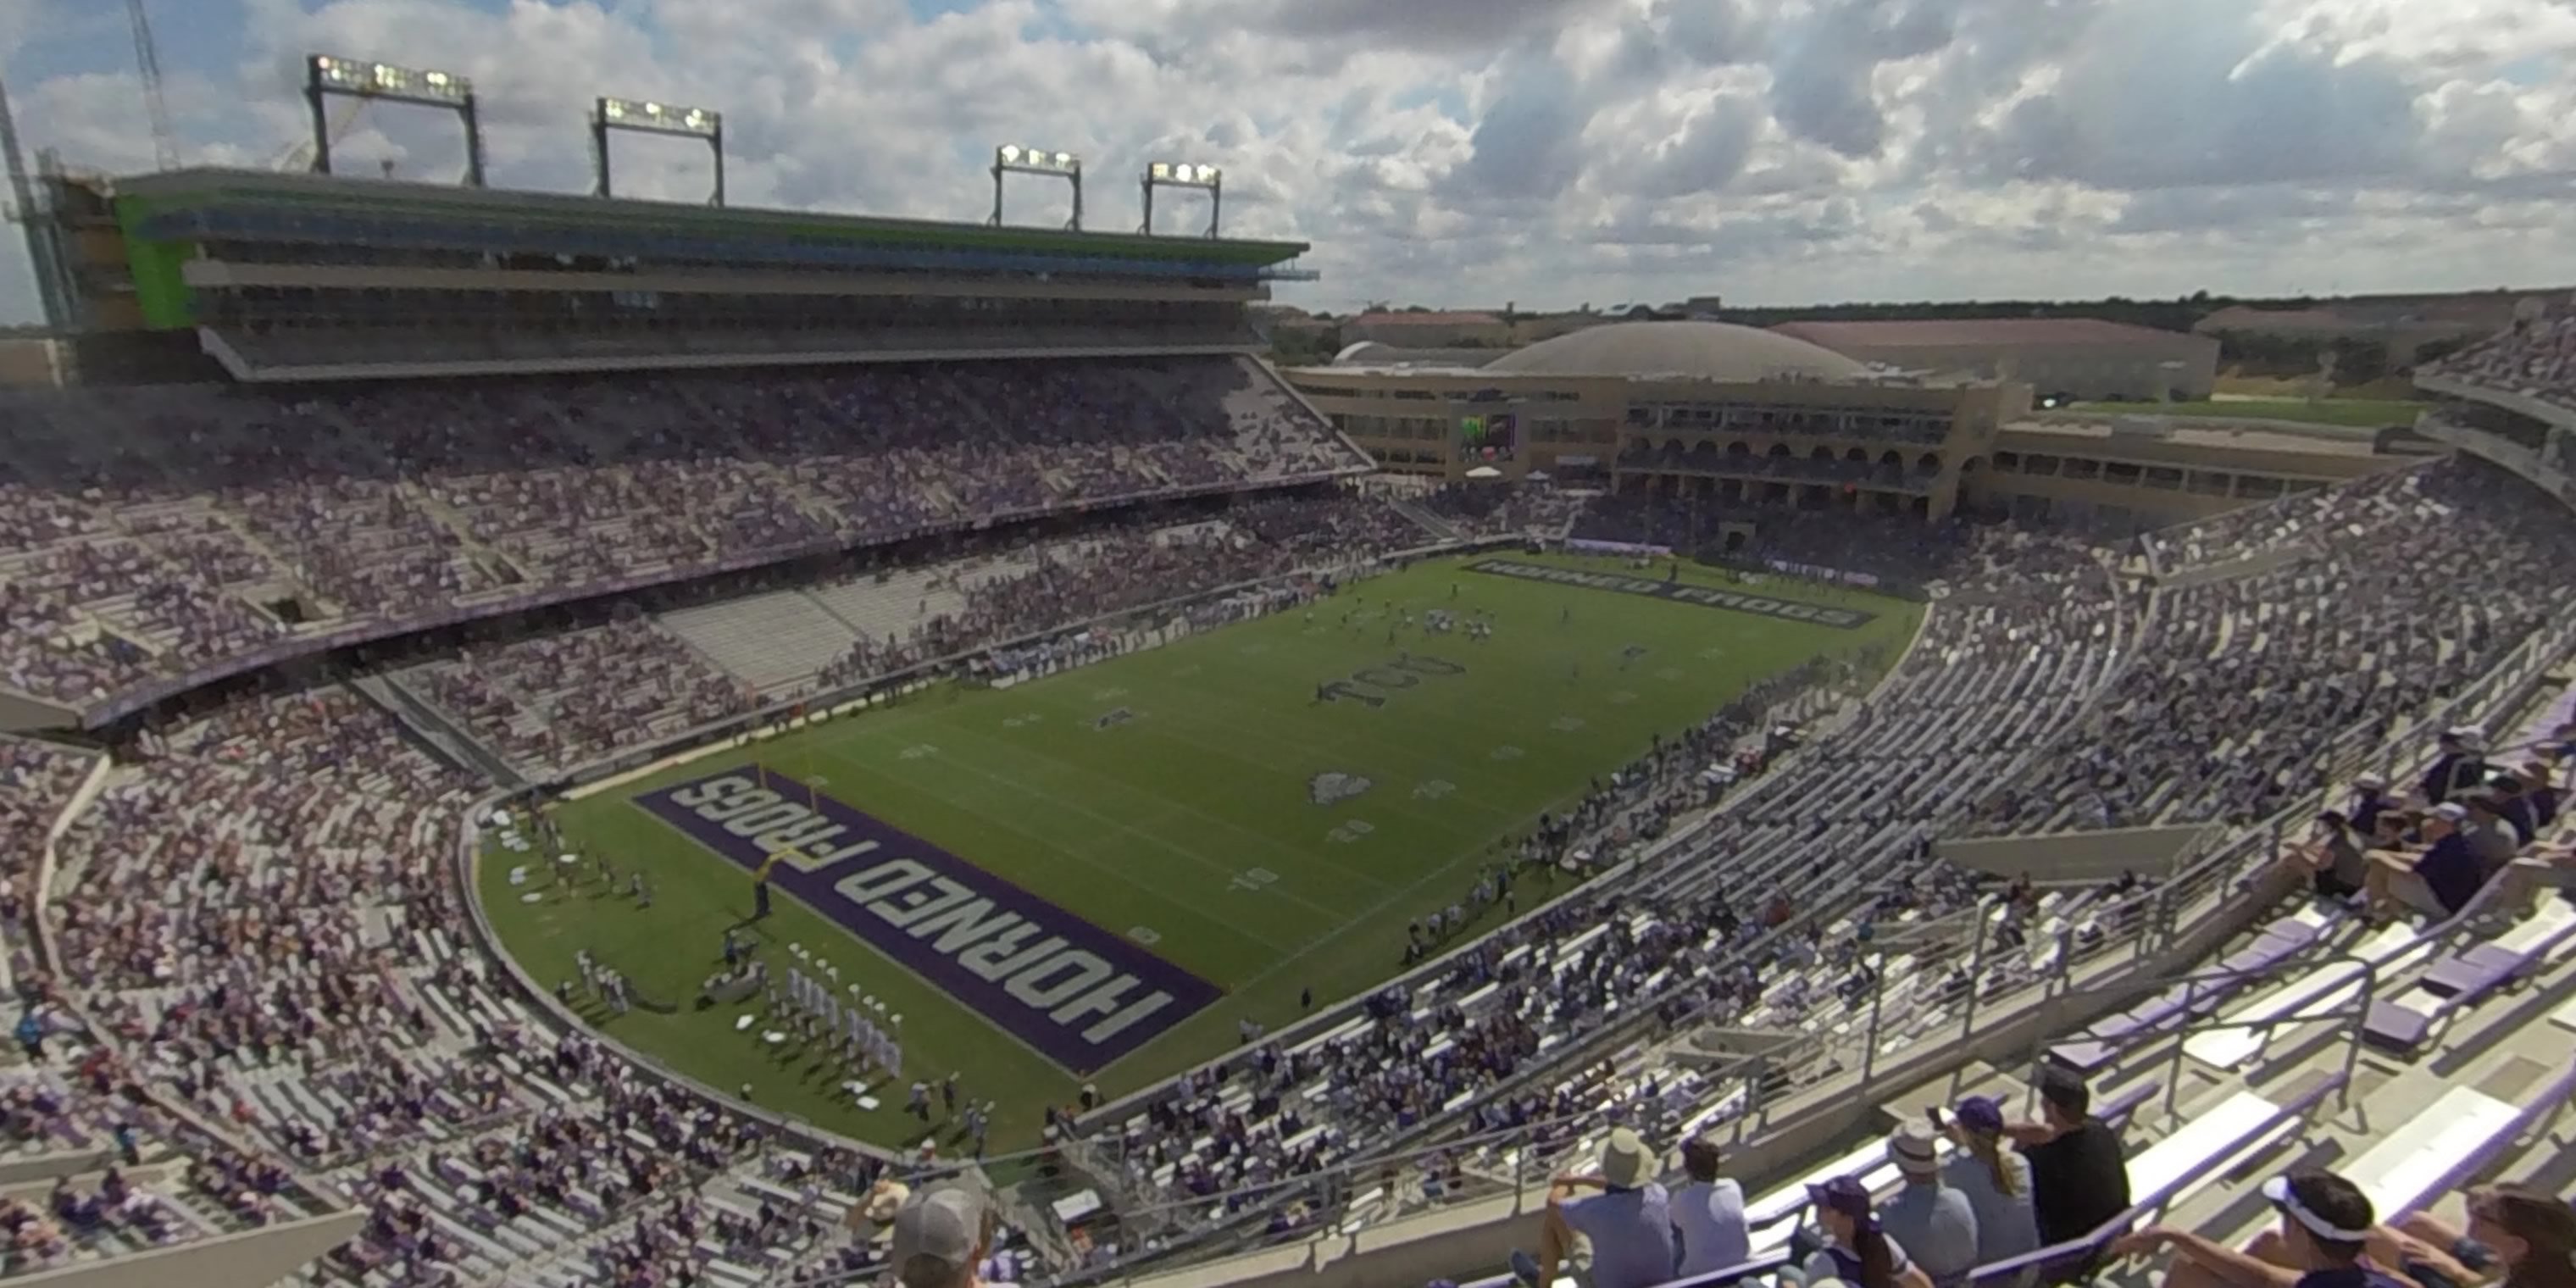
[
  {"x": 2349, "y": 413},
  {"x": 1193, "y": 821}
]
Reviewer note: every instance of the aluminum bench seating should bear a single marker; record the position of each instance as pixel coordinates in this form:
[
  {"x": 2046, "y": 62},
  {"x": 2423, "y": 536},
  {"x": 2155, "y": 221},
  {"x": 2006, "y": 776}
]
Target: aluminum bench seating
[
  {"x": 2104, "y": 1042},
  {"x": 2400, "y": 1170},
  {"x": 2462, "y": 979}
]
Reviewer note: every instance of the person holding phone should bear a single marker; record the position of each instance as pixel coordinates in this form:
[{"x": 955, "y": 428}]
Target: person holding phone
[{"x": 1996, "y": 1182}]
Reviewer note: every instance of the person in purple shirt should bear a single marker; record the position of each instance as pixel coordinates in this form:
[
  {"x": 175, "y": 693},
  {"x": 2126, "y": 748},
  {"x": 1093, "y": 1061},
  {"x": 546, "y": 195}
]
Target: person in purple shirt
[
  {"x": 2325, "y": 1220},
  {"x": 2539, "y": 793},
  {"x": 1628, "y": 1221},
  {"x": 2440, "y": 881}
]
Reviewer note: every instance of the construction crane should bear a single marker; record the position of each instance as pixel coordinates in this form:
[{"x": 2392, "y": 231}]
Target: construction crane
[
  {"x": 300, "y": 157},
  {"x": 147, "y": 62},
  {"x": 23, "y": 209}
]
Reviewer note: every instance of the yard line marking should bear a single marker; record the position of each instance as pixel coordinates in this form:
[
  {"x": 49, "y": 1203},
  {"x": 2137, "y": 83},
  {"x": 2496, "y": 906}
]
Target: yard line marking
[
  {"x": 1158, "y": 799},
  {"x": 1076, "y": 852},
  {"x": 1081, "y": 811}
]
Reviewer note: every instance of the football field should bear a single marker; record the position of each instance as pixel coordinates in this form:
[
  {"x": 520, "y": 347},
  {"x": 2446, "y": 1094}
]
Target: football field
[{"x": 1097, "y": 876}]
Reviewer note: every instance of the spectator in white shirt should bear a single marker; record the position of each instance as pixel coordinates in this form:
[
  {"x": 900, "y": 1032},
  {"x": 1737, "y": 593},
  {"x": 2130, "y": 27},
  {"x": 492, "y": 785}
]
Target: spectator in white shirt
[{"x": 1709, "y": 1213}]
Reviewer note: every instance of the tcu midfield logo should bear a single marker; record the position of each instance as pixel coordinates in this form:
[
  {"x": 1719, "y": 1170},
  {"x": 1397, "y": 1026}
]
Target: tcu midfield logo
[{"x": 1332, "y": 787}]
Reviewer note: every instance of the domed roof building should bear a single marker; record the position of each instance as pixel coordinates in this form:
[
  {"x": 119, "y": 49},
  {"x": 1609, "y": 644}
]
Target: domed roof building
[
  {"x": 1680, "y": 350},
  {"x": 1743, "y": 417}
]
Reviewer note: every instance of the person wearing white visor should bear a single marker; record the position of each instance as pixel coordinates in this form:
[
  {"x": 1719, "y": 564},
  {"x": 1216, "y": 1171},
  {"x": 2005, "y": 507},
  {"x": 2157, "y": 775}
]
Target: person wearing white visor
[{"x": 2325, "y": 1220}]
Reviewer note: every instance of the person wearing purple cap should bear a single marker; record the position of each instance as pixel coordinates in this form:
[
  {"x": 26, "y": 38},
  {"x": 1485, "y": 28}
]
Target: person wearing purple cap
[
  {"x": 1856, "y": 1251},
  {"x": 1997, "y": 1184}
]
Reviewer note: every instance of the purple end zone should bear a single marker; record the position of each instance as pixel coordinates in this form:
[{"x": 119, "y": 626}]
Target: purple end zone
[{"x": 1076, "y": 993}]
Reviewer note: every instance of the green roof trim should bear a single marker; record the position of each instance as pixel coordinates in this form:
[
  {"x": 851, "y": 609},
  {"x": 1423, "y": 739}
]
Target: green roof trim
[{"x": 186, "y": 190}]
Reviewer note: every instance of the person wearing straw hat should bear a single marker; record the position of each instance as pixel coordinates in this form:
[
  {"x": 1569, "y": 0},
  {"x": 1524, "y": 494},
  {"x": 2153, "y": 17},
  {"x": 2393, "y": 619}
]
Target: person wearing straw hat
[
  {"x": 1935, "y": 1224},
  {"x": 1628, "y": 1222},
  {"x": 2326, "y": 1224}
]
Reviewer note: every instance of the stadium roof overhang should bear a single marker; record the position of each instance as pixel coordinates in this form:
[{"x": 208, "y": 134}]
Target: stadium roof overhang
[{"x": 197, "y": 204}]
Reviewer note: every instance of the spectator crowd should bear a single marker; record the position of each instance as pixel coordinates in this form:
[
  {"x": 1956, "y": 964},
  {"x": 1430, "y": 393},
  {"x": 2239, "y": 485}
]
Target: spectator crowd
[{"x": 258, "y": 920}]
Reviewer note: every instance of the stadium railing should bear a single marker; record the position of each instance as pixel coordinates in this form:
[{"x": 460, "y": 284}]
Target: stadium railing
[
  {"x": 2074, "y": 1252},
  {"x": 507, "y": 236},
  {"x": 2512, "y": 400},
  {"x": 2520, "y": 458}
]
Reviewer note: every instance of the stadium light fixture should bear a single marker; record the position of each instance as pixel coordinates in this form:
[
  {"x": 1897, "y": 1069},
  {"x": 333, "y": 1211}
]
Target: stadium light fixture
[
  {"x": 1015, "y": 158},
  {"x": 649, "y": 116},
  {"x": 328, "y": 74},
  {"x": 1184, "y": 174}
]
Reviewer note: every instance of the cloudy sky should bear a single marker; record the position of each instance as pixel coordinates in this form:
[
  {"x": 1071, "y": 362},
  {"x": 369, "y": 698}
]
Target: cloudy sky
[{"x": 1547, "y": 152}]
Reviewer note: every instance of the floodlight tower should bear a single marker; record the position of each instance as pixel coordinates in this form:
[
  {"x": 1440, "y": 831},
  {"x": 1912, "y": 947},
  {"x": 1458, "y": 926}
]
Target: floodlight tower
[
  {"x": 1011, "y": 158},
  {"x": 647, "y": 117},
  {"x": 1182, "y": 174},
  {"x": 325, "y": 75}
]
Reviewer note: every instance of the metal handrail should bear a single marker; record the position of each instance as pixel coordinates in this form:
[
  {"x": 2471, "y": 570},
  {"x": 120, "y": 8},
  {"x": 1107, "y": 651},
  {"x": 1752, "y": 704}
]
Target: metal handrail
[
  {"x": 2092, "y": 1242},
  {"x": 2085, "y": 1245}
]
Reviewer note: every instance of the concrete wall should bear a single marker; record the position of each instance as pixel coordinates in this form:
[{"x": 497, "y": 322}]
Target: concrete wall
[
  {"x": 30, "y": 363},
  {"x": 252, "y": 1259},
  {"x": 26, "y": 1168},
  {"x": 20, "y": 713},
  {"x": 2075, "y": 856}
]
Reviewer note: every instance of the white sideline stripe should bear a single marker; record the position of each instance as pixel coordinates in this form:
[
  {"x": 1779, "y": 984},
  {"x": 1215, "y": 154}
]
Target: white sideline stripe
[
  {"x": 2329, "y": 985},
  {"x": 2397, "y": 1171}
]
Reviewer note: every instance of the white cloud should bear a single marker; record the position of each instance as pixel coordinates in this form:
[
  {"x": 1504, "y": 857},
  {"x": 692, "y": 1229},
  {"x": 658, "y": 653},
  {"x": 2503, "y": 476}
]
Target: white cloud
[{"x": 1544, "y": 151}]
